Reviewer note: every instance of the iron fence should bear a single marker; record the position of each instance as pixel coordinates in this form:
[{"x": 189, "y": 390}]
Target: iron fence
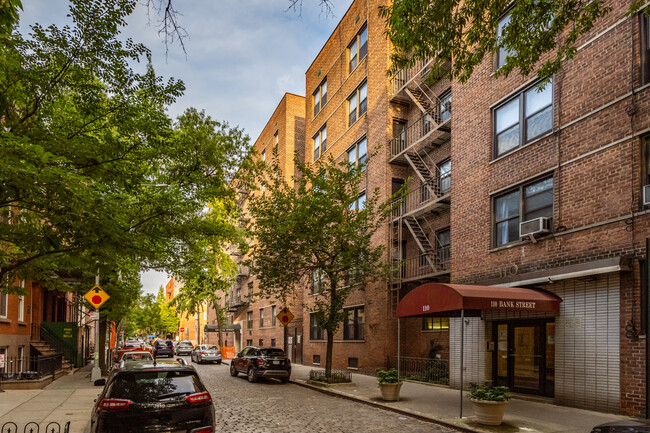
[
  {"x": 32, "y": 427},
  {"x": 422, "y": 369},
  {"x": 29, "y": 368},
  {"x": 338, "y": 376}
]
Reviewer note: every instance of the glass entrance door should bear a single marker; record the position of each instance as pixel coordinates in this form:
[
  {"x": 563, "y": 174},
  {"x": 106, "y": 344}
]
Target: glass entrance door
[{"x": 526, "y": 358}]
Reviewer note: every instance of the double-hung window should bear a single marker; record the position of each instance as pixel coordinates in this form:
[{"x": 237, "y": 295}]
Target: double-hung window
[
  {"x": 502, "y": 52},
  {"x": 522, "y": 119},
  {"x": 645, "y": 48},
  {"x": 249, "y": 320},
  {"x": 316, "y": 331},
  {"x": 443, "y": 246},
  {"x": 21, "y": 303},
  {"x": 520, "y": 204},
  {"x": 261, "y": 317},
  {"x": 319, "y": 97},
  {"x": 358, "y": 49},
  {"x": 353, "y": 323},
  {"x": 359, "y": 203},
  {"x": 357, "y": 103},
  {"x": 318, "y": 282},
  {"x": 320, "y": 142},
  {"x": 4, "y": 301},
  {"x": 274, "y": 312},
  {"x": 358, "y": 153},
  {"x": 445, "y": 106}
]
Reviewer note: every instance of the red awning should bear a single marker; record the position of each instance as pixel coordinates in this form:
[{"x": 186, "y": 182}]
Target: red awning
[{"x": 433, "y": 298}]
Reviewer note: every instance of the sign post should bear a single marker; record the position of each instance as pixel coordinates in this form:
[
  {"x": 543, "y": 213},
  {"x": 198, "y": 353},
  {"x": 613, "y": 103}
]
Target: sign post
[
  {"x": 285, "y": 317},
  {"x": 96, "y": 296}
]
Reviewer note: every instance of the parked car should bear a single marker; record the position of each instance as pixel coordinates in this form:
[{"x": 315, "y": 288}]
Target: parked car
[
  {"x": 137, "y": 356},
  {"x": 206, "y": 352},
  {"x": 163, "y": 348},
  {"x": 146, "y": 396},
  {"x": 185, "y": 347},
  {"x": 129, "y": 346},
  {"x": 624, "y": 426},
  {"x": 258, "y": 362}
]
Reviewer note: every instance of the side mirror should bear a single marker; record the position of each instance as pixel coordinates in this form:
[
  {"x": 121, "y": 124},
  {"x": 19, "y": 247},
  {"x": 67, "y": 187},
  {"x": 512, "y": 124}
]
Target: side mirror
[{"x": 100, "y": 382}]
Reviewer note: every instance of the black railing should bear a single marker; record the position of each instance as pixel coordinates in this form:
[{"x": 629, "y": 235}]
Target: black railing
[
  {"x": 32, "y": 427},
  {"x": 422, "y": 369},
  {"x": 57, "y": 343},
  {"x": 338, "y": 376},
  {"x": 30, "y": 368}
]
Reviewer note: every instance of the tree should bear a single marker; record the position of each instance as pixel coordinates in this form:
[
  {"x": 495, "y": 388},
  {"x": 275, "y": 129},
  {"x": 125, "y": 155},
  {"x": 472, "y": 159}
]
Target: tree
[
  {"x": 313, "y": 230},
  {"x": 168, "y": 320},
  {"x": 466, "y": 31},
  {"x": 92, "y": 171}
]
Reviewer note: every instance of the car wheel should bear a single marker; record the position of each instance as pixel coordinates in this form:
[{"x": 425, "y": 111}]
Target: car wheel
[
  {"x": 218, "y": 362},
  {"x": 198, "y": 360},
  {"x": 233, "y": 370},
  {"x": 251, "y": 375},
  {"x": 284, "y": 380}
]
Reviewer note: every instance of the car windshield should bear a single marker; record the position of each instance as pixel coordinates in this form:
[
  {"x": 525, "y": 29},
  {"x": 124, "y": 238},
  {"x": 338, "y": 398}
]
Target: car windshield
[
  {"x": 150, "y": 386},
  {"x": 210, "y": 347},
  {"x": 131, "y": 344},
  {"x": 272, "y": 352},
  {"x": 186, "y": 344}
]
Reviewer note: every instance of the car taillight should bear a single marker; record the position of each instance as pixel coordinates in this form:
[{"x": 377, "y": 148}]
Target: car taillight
[
  {"x": 260, "y": 361},
  {"x": 201, "y": 397},
  {"x": 203, "y": 352},
  {"x": 113, "y": 404},
  {"x": 203, "y": 430}
]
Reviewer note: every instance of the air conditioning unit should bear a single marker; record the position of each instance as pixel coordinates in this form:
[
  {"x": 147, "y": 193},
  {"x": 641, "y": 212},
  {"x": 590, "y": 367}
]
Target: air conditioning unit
[
  {"x": 535, "y": 227},
  {"x": 646, "y": 195}
]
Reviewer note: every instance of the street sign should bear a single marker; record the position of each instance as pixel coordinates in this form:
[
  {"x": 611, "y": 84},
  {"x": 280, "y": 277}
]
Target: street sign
[
  {"x": 2, "y": 361},
  {"x": 182, "y": 329},
  {"x": 285, "y": 316},
  {"x": 94, "y": 316},
  {"x": 96, "y": 296}
]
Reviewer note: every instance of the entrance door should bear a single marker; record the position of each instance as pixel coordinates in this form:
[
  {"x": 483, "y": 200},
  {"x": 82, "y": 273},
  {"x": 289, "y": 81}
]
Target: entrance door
[{"x": 525, "y": 356}]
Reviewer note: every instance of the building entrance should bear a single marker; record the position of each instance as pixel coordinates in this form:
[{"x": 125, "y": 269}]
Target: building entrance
[{"x": 524, "y": 356}]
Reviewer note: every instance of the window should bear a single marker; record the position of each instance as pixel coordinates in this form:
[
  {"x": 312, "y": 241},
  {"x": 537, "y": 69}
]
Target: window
[
  {"x": 320, "y": 142},
  {"x": 316, "y": 359},
  {"x": 426, "y": 124},
  {"x": 250, "y": 289},
  {"x": 249, "y": 320},
  {"x": 275, "y": 142},
  {"x": 353, "y": 324},
  {"x": 521, "y": 204},
  {"x": 21, "y": 354},
  {"x": 358, "y": 49},
  {"x": 353, "y": 362},
  {"x": 502, "y": 52},
  {"x": 523, "y": 118},
  {"x": 443, "y": 245},
  {"x": 261, "y": 341},
  {"x": 4, "y": 300},
  {"x": 21, "y": 304},
  {"x": 261, "y": 317},
  {"x": 318, "y": 282},
  {"x": 645, "y": 48},
  {"x": 357, "y": 103},
  {"x": 272, "y": 342},
  {"x": 319, "y": 97},
  {"x": 264, "y": 155},
  {"x": 273, "y": 314},
  {"x": 359, "y": 203},
  {"x": 435, "y": 323},
  {"x": 358, "y": 153},
  {"x": 316, "y": 331},
  {"x": 249, "y": 342},
  {"x": 445, "y": 106},
  {"x": 444, "y": 176},
  {"x": 3, "y": 353}
]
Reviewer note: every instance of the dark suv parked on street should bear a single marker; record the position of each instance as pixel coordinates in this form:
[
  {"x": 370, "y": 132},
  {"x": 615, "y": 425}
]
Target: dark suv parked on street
[
  {"x": 258, "y": 362},
  {"x": 163, "y": 348},
  {"x": 153, "y": 396}
]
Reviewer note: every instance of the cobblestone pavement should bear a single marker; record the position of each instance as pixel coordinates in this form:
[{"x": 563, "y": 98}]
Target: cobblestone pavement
[{"x": 270, "y": 406}]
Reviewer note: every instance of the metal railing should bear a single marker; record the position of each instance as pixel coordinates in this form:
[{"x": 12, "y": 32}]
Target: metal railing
[
  {"x": 32, "y": 427},
  {"x": 421, "y": 196},
  {"x": 422, "y": 264},
  {"x": 338, "y": 376},
  {"x": 404, "y": 76},
  {"x": 416, "y": 130},
  {"x": 422, "y": 369},
  {"x": 29, "y": 368}
]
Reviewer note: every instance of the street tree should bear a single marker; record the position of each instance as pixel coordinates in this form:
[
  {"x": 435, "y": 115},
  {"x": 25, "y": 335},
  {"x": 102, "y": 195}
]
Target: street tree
[
  {"x": 316, "y": 232},
  {"x": 92, "y": 170},
  {"x": 537, "y": 35}
]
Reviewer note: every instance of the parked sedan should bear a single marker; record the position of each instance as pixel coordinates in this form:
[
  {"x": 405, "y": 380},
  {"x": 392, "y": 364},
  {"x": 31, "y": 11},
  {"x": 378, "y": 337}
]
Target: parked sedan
[
  {"x": 185, "y": 347},
  {"x": 146, "y": 396},
  {"x": 163, "y": 348},
  {"x": 205, "y": 352},
  {"x": 258, "y": 362}
]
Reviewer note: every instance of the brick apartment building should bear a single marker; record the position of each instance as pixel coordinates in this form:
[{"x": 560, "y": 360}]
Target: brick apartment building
[
  {"x": 252, "y": 321},
  {"x": 547, "y": 199}
]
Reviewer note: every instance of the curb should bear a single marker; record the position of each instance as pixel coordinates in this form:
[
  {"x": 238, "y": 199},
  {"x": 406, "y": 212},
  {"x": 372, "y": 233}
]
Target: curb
[{"x": 406, "y": 412}]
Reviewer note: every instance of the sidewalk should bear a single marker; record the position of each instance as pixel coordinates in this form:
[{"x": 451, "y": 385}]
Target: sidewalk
[
  {"x": 69, "y": 398},
  {"x": 441, "y": 404}
]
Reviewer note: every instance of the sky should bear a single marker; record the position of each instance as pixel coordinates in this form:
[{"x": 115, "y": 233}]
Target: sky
[{"x": 242, "y": 57}]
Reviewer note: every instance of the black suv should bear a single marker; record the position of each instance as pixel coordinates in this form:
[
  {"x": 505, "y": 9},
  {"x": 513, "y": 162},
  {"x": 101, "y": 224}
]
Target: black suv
[
  {"x": 256, "y": 362},
  {"x": 150, "y": 396},
  {"x": 163, "y": 348}
]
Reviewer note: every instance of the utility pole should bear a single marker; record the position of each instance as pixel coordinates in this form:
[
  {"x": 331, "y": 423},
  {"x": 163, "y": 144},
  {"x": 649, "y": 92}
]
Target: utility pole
[{"x": 97, "y": 372}]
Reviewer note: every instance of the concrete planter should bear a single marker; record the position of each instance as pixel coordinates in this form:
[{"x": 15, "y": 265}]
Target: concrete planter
[
  {"x": 390, "y": 391},
  {"x": 489, "y": 412}
]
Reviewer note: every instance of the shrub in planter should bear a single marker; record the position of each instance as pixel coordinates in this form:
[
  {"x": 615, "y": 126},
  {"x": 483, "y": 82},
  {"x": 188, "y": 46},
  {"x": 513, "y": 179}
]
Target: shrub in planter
[
  {"x": 489, "y": 402},
  {"x": 389, "y": 384}
]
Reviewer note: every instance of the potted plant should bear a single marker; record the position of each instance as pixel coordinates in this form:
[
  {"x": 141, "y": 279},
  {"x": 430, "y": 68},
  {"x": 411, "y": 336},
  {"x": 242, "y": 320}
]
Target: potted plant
[
  {"x": 489, "y": 402},
  {"x": 389, "y": 384}
]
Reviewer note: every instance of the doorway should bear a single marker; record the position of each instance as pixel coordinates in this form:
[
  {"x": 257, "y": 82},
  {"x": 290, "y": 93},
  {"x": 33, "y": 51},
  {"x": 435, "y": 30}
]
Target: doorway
[{"x": 524, "y": 356}]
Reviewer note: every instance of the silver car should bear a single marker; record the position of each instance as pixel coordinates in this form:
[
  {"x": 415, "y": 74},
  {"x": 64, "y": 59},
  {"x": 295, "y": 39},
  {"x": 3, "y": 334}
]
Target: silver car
[{"x": 207, "y": 353}]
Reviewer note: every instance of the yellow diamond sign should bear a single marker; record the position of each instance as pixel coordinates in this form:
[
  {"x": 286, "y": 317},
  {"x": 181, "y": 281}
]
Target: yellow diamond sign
[
  {"x": 96, "y": 296},
  {"x": 285, "y": 316}
]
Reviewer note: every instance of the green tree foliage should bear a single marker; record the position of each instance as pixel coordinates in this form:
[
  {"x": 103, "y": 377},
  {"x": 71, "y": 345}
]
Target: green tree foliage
[
  {"x": 167, "y": 320},
  {"x": 466, "y": 32},
  {"x": 312, "y": 229},
  {"x": 92, "y": 171}
]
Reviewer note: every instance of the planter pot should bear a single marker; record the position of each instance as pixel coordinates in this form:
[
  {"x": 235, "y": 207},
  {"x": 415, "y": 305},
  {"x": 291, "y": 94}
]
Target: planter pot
[
  {"x": 489, "y": 412},
  {"x": 390, "y": 391}
]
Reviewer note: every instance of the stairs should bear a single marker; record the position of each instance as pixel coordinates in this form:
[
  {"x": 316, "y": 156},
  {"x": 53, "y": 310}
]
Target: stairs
[
  {"x": 45, "y": 349},
  {"x": 424, "y": 103},
  {"x": 425, "y": 174},
  {"x": 422, "y": 240}
]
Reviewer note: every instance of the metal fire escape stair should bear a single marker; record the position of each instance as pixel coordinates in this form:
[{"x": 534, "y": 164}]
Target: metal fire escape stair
[
  {"x": 423, "y": 102},
  {"x": 421, "y": 239},
  {"x": 423, "y": 171}
]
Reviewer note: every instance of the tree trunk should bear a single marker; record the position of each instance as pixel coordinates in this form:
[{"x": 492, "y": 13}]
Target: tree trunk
[
  {"x": 330, "y": 333},
  {"x": 217, "y": 309},
  {"x": 102, "y": 345},
  {"x": 328, "y": 360}
]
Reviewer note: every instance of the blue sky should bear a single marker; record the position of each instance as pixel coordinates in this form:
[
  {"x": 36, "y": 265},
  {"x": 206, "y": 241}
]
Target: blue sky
[{"x": 242, "y": 56}]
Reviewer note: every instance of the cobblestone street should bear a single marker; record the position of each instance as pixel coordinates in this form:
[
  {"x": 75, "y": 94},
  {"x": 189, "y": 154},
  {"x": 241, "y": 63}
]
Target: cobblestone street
[{"x": 269, "y": 406}]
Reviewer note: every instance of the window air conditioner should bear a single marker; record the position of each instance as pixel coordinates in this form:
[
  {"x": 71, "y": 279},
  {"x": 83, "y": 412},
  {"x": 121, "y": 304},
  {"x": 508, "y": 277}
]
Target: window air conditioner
[
  {"x": 646, "y": 195},
  {"x": 535, "y": 226}
]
